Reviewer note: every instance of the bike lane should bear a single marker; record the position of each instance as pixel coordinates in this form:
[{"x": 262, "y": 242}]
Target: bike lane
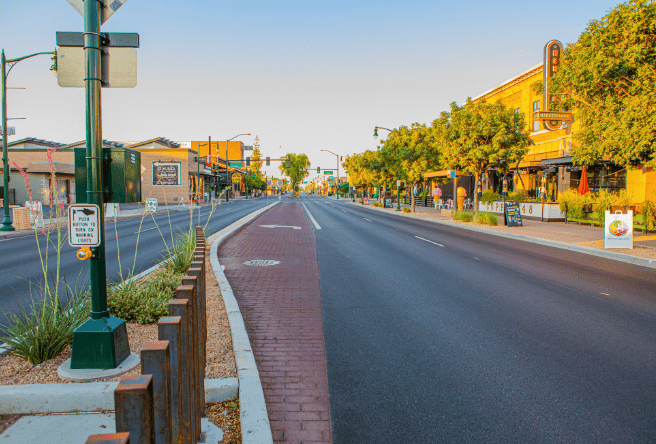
[{"x": 281, "y": 307}]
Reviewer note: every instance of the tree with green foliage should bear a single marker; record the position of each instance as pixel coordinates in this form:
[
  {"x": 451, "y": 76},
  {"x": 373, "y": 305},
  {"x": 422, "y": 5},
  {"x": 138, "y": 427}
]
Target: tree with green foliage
[
  {"x": 297, "y": 171},
  {"x": 478, "y": 135},
  {"x": 408, "y": 153},
  {"x": 609, "y": 79},
  {"x": 256, "y": 162}
]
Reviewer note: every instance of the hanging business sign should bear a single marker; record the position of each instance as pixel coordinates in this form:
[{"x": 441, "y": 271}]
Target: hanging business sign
[
  {"x": 618, "y": 232},
  {"x": 167, "y": 173},
  {"x": 553, "y": 51}
]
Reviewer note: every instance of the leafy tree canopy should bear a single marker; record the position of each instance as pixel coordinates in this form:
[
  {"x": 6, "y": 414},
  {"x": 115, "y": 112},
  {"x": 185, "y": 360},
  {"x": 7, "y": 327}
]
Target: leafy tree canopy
[
  {"x": 298, "y": 169},
  {"x": 609, "y": 78}
]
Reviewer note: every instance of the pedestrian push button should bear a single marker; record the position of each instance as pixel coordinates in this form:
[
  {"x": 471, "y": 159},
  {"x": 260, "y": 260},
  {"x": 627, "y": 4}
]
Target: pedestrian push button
[{"x": 84, "y": 253}]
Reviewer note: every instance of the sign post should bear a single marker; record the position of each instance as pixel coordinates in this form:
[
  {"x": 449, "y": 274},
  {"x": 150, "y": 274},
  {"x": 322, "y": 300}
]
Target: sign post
[{"x": 101, "y": 342}]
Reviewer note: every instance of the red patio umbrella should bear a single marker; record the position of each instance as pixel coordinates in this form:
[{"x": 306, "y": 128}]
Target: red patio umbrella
[{"x": 583, "y": 185}]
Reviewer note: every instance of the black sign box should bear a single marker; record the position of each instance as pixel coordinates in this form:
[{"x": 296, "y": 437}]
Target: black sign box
[{"x": 512, "y": 214}]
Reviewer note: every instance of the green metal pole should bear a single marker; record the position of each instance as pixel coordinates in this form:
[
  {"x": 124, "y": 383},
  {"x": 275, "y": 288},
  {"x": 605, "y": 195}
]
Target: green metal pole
[
  {"x": 398, "y": 196},
  {"x": 6, "y": 223},
  {"x": 101, "y": 342}
]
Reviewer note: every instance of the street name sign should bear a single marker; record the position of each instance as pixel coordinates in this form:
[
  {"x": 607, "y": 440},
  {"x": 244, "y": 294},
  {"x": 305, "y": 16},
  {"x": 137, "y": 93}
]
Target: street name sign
[
  {"x": 107, "y": 9},
  {"x": 83, "y": 225},
  {"x": 328, "y": 173},
  {"x": 11, "y": 131}
]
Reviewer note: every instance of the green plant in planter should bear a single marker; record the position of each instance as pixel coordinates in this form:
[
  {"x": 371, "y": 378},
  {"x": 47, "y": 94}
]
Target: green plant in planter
[
  {"x": 517, "y": 196},
  {"x": 489, "y": 196},
  {"x": 649, "y": 215},
  {"x": 492, "y": 219}
]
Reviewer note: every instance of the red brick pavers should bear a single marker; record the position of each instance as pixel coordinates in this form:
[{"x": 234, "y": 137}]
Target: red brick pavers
[{"x": 281, "y": 307}]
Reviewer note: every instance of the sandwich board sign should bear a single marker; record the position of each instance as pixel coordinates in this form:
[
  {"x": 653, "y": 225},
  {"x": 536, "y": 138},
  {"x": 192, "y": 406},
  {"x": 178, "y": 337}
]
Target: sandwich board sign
[
  {"x": 83, "y": 225},
  {"x": 107, "y": 8},
  {"x": 618, "y": 232}
]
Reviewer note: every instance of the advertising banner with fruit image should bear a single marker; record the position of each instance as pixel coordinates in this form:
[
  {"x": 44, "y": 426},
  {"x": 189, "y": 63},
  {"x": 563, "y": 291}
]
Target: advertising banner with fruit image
[{"x": 618, "y": 231}]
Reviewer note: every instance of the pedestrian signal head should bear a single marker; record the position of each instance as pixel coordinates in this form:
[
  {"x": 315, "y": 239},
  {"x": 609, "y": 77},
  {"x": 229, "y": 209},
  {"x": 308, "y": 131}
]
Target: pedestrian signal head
[
  {"x": 288, "y": 162},
  {"x": 248, "y": 161},
  {"x": 268, "y": 161}
]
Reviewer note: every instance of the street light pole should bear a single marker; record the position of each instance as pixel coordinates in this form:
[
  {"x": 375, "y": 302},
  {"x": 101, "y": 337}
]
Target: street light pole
[
  {"x": 337, "y": 180},
  {"x": 398, "y": 180},
  {"x": 228, "y": 165},
  {"x": 6, "y": 223}
]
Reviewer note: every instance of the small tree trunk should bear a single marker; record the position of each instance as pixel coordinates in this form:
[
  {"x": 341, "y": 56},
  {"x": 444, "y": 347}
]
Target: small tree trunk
[
  {"x": 412, "y": 196},
  {"x": 476, "y": 194}
]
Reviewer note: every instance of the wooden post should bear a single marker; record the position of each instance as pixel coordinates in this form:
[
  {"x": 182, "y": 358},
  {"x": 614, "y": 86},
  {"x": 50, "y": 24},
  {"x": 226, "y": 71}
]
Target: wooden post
[
  {"x": 181, "y": 308},
  {"x": 109, "y": 438},
  {"x": 170, "y": 329},
  {"x": 133, "y": 399},
  {"x": 155, "y": 360}
]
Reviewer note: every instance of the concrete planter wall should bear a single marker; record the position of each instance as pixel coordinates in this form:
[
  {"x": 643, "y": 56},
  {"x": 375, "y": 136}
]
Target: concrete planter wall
[{"x": 547, "y": 212}]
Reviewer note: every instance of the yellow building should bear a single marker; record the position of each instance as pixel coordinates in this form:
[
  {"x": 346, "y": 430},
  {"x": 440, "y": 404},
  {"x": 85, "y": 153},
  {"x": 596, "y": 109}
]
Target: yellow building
[{"x": 549, "y": 166}]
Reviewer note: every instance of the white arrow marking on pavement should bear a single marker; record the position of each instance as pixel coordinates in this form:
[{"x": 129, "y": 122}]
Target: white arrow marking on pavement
[
  {"x": 280, "y": 226},
  {"x": 434, "y": 243}
]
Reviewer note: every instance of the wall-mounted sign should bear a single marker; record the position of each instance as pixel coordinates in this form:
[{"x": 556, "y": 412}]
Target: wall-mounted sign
[
  {"x": 544, "y": 115},
  {"x": 553, "y": 51},
  {"x": 167, "y": 173}
]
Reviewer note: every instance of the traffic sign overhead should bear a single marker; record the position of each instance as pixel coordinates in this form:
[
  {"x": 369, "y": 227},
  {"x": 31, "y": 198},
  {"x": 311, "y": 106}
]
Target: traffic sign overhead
[
  {"x": 108, "y": 8},
  {"x": 83, "y": 225}
]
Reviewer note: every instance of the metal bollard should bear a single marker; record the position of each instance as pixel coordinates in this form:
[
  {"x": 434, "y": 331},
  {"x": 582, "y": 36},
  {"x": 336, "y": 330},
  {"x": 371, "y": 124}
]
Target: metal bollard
[
  {"x": 170, "y": 329},
  {"x": 109, "y": 438},
  {"x": 182, "y": 307},
  {"x": 155, "y": 360},
  {"x": 133, "y": 400}
]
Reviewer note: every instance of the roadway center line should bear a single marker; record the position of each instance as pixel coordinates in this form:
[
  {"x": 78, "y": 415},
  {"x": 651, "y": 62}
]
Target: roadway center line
[
  {"x": 316, "y": 225},
  {"x": 426, "y": 240}
]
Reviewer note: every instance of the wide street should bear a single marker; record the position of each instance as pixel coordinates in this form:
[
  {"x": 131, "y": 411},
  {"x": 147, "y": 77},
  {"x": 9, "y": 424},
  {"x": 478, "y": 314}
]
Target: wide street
[
  {"x": 437, "y": 334},
  {"x": 20, "y": 266}
]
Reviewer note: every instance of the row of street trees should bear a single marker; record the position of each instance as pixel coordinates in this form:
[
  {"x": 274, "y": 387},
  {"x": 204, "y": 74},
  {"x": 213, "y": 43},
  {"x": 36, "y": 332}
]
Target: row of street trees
[
  {"x": 468, "y": 138},
  {"x": 608, "y": 78}
]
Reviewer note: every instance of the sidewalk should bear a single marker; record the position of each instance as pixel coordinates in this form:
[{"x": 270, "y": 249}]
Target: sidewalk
[
  {"x": 644, "y": 245},
  {"x": 280, "y": 301}
]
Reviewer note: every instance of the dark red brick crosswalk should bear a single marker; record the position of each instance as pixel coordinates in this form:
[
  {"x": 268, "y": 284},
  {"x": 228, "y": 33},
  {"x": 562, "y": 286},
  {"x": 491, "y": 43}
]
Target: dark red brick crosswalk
[{"x": 281, "y": 306}]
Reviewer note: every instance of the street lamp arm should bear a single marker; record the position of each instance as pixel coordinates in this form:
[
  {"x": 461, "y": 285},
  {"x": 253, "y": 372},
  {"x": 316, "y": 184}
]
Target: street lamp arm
[
  {"x": 28, "y": 56},
  {"x": 382, "y": 127},
  {"x": 331, "y": 152}
]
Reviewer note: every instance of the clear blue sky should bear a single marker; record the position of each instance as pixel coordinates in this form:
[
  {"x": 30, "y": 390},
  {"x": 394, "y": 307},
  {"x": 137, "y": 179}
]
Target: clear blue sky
[{"x": 303, "y": 76}]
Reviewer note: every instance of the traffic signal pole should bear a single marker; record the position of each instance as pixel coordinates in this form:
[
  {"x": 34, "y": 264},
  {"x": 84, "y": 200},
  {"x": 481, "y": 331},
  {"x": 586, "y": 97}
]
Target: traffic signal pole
[{"x": 101, "y": 342}]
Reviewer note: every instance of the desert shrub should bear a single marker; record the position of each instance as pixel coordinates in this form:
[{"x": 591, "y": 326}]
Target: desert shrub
[
  {"x": 406, "y": 210},
  {"x": 517, "y": 196},
  {"x": 181, "y": 255},
  {"x": 492, "y": 219},
  {"x": 464, "y": 217},
  {"x": 604, "y": 200},
  {"x": 649, "y": 215},
  {"x": 572, "y": 202},
  {"x": 489, "y": 196},
  {"x": 42, "y": 329},
  {"x": 144, "y": 301}
]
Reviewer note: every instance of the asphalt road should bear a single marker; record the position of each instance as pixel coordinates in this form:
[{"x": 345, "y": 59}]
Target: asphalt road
[
  {"x": 435, "y": 334},
  {"x": 20, "y": 266}
]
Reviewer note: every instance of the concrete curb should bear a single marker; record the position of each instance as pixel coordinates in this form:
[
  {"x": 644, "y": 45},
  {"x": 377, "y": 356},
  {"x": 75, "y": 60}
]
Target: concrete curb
[
  {"x": 86, "y": 397},
  {"x": 649, "y": 263},
  {"x": 255, "y": 427}
]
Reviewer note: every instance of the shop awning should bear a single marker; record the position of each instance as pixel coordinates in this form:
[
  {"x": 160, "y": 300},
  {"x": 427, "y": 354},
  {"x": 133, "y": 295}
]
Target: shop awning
[{"x": 558, "y": 161}]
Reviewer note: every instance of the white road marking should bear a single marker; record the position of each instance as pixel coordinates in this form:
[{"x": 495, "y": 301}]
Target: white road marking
[
  {"x": 477, "y": 259},
  {"x": 280, "y": 226},
  {"x": 147, "y": 229},
  {"x": 426, "y": 240},
  {"x": 367, "y": 219},
  {"x": 316, "y": 225},
  {"x": 345, "y": 211}
]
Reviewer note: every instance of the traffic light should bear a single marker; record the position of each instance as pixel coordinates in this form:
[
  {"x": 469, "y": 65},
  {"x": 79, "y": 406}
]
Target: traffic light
[
  {"x": 248, "y": 161},
  {"x": 268, "y": 161},
  {"x": 289, "y": 165},
  {"x": 318, "y": 170}
]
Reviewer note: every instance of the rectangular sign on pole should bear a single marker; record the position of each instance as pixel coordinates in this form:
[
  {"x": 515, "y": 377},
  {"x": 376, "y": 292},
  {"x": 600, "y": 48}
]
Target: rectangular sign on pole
[
  {"x": 328, "y": 173},
  {"x": 107, "y": 9},
  {"x": 11, "y": 131},
  {"x": 118, "y": 65},
  {"x": 83, "y": 225}
]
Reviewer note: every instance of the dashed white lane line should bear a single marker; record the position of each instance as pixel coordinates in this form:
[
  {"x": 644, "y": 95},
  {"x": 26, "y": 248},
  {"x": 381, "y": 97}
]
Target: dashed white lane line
[
  {"x": 426, "y": 240},
  {"x": 147, "y": 229},
  {"x": 316, "y": 225},
  {"x": 477, "y": 259},
  {"x": 367, "y": 219}
]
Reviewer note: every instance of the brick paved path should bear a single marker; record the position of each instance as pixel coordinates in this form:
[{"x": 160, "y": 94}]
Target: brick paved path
[{"x": 281, "y": 306}]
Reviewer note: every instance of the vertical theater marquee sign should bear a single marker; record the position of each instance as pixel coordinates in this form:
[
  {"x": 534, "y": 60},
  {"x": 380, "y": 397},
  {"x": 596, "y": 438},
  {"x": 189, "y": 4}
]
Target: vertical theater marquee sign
[{"x": 552, "y": 120}]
